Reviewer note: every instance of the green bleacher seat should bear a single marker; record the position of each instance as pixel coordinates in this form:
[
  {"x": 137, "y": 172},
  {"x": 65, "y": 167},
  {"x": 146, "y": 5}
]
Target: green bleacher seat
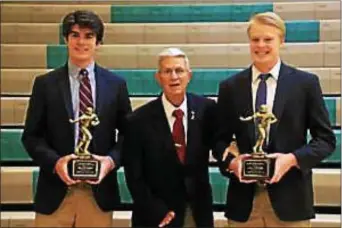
[
  {"x": 241, "y": 12},
  {"x": 211, "y": 13},
  {"x": 302, "y": 31},
  {"x": 11, "y": 147},
  {"x": 330, "y": 103},
  {"x": 186, "y": 13},
  {"x": 219, "y": 185},
  {"x": 140, "y": 82},
  {"x": 203, "y": 80},
  {"x": 56, "y": 55},
  {"x": 336, "y": 156},
  {"x": 124, "y": 192},
  {"x": 146, "y": 13}
]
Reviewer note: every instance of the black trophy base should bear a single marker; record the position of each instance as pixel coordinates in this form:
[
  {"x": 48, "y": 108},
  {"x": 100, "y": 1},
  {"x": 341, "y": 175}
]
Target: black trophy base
[
  {"x": 86, "y": 168},
  {"x": 258, "y": 168}
]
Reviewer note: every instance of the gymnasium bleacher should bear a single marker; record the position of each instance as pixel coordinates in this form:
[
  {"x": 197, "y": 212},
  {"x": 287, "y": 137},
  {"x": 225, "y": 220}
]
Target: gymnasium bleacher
[{"x": 211, "y": 32}]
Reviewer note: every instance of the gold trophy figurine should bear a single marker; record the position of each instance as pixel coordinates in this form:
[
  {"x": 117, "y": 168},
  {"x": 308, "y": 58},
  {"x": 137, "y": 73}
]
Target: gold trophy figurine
[
  {"x": 85, "y": 167},
  {"x": 258, "y": 166},
  {"x": 264, "y": 119},
  {"x": 88, "y": 119}
]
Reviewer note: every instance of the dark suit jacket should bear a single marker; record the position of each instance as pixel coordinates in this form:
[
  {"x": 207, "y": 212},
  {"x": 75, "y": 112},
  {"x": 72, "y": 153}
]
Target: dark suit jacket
[
  {"x": 299, "y": 107},
  {"x": 158, "y": 182},
  {"x": 48, "y": 135}
]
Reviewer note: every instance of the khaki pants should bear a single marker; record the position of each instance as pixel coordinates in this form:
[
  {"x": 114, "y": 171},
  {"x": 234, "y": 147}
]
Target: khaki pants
[
  {"x": 263, "y": 214},
  {"x": 189, "y": 218},
  {"x": 78, "y": 209}
]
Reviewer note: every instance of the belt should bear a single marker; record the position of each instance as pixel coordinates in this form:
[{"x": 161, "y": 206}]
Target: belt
[
  {"x": 81, "y": 185},
  {"x": 260, "y": 187}
]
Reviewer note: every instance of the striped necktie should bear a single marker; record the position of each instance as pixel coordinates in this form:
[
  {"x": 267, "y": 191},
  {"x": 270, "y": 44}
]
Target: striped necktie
[{"x": 85, "y": 96}]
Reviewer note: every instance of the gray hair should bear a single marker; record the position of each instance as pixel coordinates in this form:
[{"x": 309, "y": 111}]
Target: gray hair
[{"x": 172, "y": 52}]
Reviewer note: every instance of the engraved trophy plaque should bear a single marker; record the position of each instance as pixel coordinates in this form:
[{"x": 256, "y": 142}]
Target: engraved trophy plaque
[
  {"x": 258, "y": 166},
  {"x": 85, "y": 167}
]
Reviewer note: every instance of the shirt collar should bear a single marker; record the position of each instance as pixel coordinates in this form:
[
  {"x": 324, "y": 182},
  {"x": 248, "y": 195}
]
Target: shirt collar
[
  {"x": 169, "y": 108},
  {"x": 274, "y": 72},
  {"x": 74, "y": 70}
]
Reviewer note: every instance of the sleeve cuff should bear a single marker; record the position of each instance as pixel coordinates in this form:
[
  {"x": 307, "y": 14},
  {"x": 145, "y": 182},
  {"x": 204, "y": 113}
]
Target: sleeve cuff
[{"x": 112, "y": 163}]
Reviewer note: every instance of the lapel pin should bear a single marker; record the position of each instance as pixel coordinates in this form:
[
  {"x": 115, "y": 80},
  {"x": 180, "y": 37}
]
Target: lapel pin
[{"x": 192, "y": 115}]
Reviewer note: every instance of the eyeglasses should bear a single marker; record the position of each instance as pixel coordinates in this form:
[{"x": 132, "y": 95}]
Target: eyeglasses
[{"x": 178, "y": 71}]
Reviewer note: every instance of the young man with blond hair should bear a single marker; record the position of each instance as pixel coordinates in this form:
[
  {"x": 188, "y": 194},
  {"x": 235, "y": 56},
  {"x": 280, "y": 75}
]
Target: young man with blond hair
[{"x": 295, "y": 98}]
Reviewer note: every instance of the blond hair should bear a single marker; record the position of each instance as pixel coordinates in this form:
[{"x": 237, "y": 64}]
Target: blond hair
[{"x": 268, "y": 18}]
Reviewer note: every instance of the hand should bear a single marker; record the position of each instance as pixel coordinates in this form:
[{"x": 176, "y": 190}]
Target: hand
[
  {"x": 167, "y": 219},
  {"x": 235, "y": 166},
  {"x": 107, "y": 164},
  {"x": 282, "y": 165},
  {"x": 61, "y": 168},
  {"x": 233, "y": 149}
]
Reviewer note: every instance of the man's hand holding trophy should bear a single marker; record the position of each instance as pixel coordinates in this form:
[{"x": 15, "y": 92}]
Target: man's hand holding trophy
[{"x": 254, "y": 166}]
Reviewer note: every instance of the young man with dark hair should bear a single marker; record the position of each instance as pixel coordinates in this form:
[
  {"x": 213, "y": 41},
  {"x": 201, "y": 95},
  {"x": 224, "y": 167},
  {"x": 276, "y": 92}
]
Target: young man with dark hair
[{"x": 50, "y": 139}]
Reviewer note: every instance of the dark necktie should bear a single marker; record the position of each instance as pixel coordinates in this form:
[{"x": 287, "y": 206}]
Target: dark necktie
[
  {"x": 85, "y": 95},
  {"x": 179, "y": 134},
  {"x": 261, "y": 94},
  {"x": 86, "y": 99}
]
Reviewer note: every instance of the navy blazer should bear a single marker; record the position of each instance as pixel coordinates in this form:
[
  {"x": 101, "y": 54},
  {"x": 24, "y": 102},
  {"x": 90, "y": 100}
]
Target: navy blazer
[
  {"x": 48, "y": 134},
  {"x": 299, "y": 107},
  {"x": 157, "y": 180}
]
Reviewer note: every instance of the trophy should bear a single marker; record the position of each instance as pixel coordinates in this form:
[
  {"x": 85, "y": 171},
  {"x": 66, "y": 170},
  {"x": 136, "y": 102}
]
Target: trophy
[
  {"x": 258, "y": 166},
  {"x": 85, "y": 167}
]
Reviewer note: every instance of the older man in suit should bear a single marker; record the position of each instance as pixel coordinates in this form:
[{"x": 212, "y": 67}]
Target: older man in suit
[
  {"x": 295, "y": 98},
  {"x": 50, "y": 139},
  {"x": 166, "y": 151}
]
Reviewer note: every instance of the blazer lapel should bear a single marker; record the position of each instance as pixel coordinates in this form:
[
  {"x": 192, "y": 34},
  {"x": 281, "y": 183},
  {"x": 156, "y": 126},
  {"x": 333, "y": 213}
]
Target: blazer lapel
[
  {"x": 101, "y": 89},
  {"x": 282, "y": 93},
  {"x": 245, "y": 100},
  {"x": 162, "y": 129},
  {"x": 192, "y": 127},
  {"x": 64, "y": 85}
]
